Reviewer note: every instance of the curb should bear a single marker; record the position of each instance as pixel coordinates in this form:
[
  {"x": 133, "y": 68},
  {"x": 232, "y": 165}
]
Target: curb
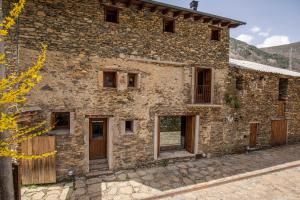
[{"x": 222, "y": 181}]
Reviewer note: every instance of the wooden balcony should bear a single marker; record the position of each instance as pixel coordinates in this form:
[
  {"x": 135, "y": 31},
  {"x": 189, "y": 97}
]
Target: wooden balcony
[{"x": 203, "y": 94}]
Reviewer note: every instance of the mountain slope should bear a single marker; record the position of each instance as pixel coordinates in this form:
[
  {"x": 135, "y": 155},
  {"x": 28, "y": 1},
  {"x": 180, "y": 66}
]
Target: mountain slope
[
  {"x": 285, "y": 50},
  {"x": 243, "y": 51}
]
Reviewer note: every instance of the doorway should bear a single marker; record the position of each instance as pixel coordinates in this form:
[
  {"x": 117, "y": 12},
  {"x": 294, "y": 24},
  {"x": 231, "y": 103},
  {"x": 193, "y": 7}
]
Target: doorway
[
  {"x": 176, "y": 133},
  {"x": 97, "y": 138}
]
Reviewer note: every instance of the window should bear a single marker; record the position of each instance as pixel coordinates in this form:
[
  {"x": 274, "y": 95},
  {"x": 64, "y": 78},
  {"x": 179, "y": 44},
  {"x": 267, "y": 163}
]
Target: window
[
  {"x": 128, "y": 126},
  {"x": 239, "y": 83},
  {"x": 109, "y": 79},
  {"x": 132, "y": 79},
  {"x": 169, "y": 26},
  {"x": 215, "y": 34},
  {"x": 111, "y": 15},
  {"x": 283, "y": 89},
  {"x": 203, "y": 85},
  {"x": 97, "y": 128},
  {"x": 61, "y": 120}
]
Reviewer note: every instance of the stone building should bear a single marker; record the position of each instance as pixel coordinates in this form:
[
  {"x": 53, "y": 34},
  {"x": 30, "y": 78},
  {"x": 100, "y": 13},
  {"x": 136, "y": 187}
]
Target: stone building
[{"x": 136, "y": 82}]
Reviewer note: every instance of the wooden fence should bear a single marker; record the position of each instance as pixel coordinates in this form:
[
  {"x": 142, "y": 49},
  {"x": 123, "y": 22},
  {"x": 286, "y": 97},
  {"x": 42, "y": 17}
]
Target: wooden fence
[{"x": 39, "y": 171}]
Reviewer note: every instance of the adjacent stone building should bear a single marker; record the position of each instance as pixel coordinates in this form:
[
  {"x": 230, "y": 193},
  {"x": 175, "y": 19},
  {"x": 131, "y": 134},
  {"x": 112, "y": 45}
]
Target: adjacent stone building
[{"x": 120, "y": 73}]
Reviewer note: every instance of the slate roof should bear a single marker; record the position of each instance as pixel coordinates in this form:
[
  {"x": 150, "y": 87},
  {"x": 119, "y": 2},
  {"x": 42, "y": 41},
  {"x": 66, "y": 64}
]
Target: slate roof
[{"x": 262, "y": 68}]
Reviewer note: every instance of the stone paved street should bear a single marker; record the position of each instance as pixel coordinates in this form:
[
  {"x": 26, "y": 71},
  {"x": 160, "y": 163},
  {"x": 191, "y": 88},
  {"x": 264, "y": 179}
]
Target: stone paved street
[
  {"x": 60, "y": 191},
  {"x": 282, "y": 185},
  {"x": 141, "y": 183}
]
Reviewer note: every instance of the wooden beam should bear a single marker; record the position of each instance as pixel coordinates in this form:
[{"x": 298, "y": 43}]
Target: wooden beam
[
  {"x": 198, "y": 17},
  {"x": 129, "y": 3},
  {"x": 177, "y": 13},
  {"x": 225, "y": 23},
  {"x": 113, "y": 2},
  {"x": 216, "y": 22},
  {"x": 153, "y": 9},
  {"x": 187, "y": 16},
  {"x": 141, "y": 6},
  {"x": 165, "y": 11},
  {"x": 207, "y": 20}
]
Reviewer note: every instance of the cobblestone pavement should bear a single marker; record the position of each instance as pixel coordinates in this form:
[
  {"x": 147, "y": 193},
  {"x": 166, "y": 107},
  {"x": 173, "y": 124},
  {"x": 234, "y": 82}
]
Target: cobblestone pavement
[
  {"x": 142, "y": 183},
  {"x": 60, "y": 191},
  {"x": 282, "y": 185}
]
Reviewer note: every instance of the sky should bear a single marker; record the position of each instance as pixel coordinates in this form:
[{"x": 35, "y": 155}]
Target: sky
[{"x": 269, "y": 22}]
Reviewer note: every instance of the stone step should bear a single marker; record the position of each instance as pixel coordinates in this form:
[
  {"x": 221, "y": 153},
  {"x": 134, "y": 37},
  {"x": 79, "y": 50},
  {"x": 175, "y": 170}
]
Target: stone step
[
  {"x": 98, "y": 173},
  {"x": 98, "y": 161},
  {"x": 101, "y": 167}
]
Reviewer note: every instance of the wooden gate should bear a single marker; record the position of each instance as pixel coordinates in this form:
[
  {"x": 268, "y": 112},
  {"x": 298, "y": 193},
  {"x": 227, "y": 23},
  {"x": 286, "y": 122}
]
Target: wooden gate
[
  {"x": 38, "y": 171},
  {"x": 279, "y": 132}
]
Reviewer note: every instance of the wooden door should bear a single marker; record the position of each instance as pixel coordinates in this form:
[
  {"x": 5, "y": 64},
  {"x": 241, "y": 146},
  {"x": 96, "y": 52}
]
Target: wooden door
[
  {"x": 38, "y": 171},
  {"x": 190, "y": 133},
  {"x": 281, "y": 107},
  {"x": 279, "y": 132},
  {"x": 98, "y": 138},
  {"x": 253, "y": 134}
]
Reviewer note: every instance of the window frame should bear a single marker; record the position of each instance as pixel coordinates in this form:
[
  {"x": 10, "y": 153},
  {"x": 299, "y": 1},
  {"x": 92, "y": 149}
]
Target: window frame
[
  {"x": 165, "y": 21},
  {"x": 115, "y": 82},
  {"x": 212, "y": 31},
  {"x": 110, "y": 9},
  {"x": 239, "y": 83},
  {"x": 197, "y": 94},
  {"x": 131, "y": 130},
  {"x": 135, "y": 80},
  {"x": 283, "y": 95},
  {"x": 64, "y": 127}
]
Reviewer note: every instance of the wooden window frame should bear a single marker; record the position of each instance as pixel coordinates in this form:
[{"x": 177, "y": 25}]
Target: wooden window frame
[
  {"x": 110, "y": 8},
  {"x": 283, "y": 95},
  {"x": 173, "y": 25},
  {"x": 239, "y": 83},
  {"x": 131, "y": 130},
  {"x": 115, "y": 79},
  {"x": 53, "y": 121},
  {"x": 196, "y": 100},
  {"x": 212, "y": 31},
  {"x": 135, "y": 80}
]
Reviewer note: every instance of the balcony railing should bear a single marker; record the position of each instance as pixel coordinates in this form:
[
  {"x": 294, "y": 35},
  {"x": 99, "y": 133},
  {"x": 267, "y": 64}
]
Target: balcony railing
[{"x": 203, "y": 94}]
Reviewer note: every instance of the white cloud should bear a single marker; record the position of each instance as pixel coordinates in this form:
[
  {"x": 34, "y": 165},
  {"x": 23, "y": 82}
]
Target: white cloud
[
  {"x": 274, "y": 40},
  {"x": 255, "y": 29},
  {"x": 264, "y": 34},
  {"x": 245, "y": 38}
]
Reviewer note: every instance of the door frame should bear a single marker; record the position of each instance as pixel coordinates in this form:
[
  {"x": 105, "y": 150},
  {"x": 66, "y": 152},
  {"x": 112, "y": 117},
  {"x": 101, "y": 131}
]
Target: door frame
[
  {"x": 105, "y": 136},
  {"x": 156, "y": 134}
]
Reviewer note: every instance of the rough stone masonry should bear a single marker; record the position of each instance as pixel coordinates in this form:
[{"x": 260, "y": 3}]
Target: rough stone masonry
[{"x": 82, "y": 45}]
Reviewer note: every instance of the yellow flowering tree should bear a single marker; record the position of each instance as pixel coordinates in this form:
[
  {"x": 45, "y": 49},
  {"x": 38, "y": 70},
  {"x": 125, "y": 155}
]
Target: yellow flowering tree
[{"x": 13, "y": 91}]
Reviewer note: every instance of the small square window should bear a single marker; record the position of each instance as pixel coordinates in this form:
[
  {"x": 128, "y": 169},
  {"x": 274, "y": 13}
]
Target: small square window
[
  {"x": 132, "y": 79},
  {"x": 215, "y": 34},
  {"x": 169, "y": 26},
  {"x": 239, "y": 83},
  {"x": 111, "y": 15},
  {"x": 128, "y": 126},
  {"x": 109, "y": 79},
  {"x": 61, "y": 120}
]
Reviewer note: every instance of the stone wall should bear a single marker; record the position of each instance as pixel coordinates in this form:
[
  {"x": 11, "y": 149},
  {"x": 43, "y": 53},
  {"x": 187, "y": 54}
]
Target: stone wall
[
  {"x": 258, "y": 104},
  {"x": 81, "y": 45}
]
